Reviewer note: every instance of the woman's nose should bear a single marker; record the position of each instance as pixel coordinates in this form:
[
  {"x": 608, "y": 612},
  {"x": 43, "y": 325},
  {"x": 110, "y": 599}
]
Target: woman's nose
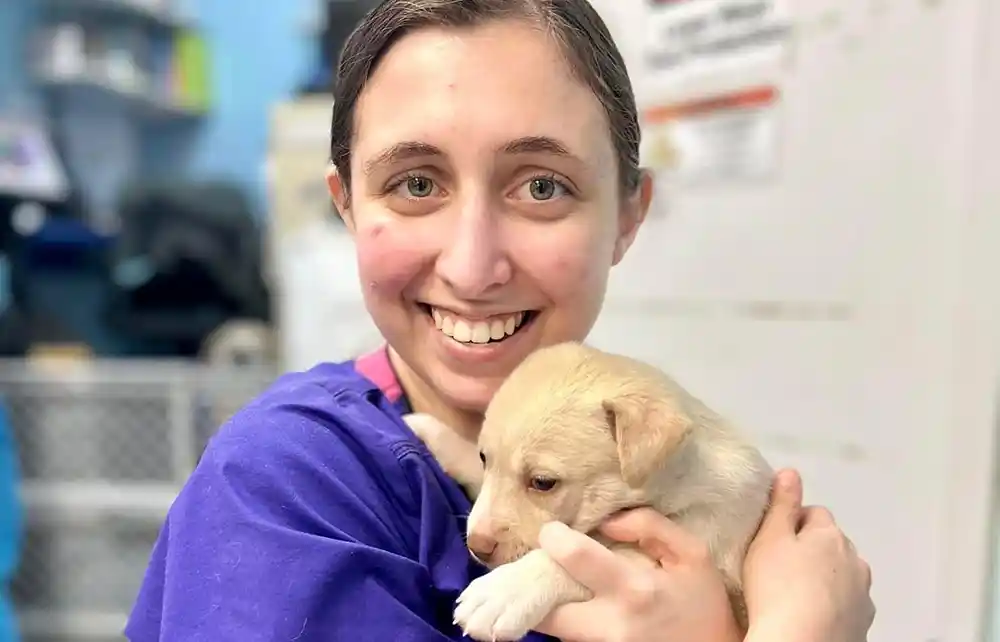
[{"x": 473, "y": 260}]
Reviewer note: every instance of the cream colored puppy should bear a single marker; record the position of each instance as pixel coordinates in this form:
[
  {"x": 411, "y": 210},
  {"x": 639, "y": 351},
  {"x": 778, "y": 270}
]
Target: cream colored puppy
[{"x": 576, "y": 434}]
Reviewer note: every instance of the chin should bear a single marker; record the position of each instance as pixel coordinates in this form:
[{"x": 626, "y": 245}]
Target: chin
[{"x": 466, "y": 393}]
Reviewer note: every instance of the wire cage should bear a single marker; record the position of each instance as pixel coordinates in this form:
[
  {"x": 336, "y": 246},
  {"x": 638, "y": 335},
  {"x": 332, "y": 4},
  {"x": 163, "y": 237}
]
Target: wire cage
[{"x": 104, "y": 447}]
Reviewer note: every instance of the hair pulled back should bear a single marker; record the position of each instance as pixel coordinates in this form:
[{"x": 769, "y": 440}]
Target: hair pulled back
[{"x": 574, "y": 24}]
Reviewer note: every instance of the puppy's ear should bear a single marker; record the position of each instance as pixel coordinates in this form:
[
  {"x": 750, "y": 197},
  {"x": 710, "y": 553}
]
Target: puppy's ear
[{"x": 647, "y": 429}]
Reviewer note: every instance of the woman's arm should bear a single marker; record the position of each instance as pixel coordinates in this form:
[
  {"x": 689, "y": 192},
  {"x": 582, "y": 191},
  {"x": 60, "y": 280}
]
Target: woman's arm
[{"x": 284, "y": 532}]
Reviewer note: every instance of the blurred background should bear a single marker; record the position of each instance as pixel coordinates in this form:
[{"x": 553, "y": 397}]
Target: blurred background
[{"x": 819, "y": 264}]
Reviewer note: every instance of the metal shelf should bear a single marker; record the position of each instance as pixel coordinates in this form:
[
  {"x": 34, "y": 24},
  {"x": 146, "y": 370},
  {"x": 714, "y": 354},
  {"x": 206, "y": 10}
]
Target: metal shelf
[
  {"x": 105, "y": 446},
  {"x": 130, "y": 10},
  {"x": 149, "y": 105},
  {"x": 72, "y": 625},
  {"x": 97, "y": 499}
]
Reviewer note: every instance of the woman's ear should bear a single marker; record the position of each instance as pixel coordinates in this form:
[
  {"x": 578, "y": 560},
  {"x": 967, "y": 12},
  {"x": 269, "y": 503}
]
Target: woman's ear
[
  {"x": 632, "y": 215},
  {"x": 341, "y": 196}
]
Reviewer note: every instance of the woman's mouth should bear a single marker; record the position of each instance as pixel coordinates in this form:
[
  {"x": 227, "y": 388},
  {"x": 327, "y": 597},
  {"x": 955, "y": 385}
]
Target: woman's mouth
[{"x": 494, "y": 329}]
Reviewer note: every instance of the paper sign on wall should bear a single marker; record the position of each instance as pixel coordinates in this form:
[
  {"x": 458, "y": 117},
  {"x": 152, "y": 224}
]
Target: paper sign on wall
[
  {"x": 731, "y": 136},
  {"x": 690, "y": 36}
]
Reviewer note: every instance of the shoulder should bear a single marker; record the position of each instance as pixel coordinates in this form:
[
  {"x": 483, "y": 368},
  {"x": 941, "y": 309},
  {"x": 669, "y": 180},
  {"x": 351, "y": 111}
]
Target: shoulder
[
  {"x": 309, "y": 438},
  {"x": 313, "y": 487},
  {"x": 319, "y": 409}
]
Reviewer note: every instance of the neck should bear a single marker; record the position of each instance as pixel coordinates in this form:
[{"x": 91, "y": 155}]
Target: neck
[{"x": 424, "y": 399}]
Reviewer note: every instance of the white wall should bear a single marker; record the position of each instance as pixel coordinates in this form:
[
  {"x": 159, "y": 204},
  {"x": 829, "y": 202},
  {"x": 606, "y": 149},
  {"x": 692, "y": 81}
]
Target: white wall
[{"x": 841, "y": 308}]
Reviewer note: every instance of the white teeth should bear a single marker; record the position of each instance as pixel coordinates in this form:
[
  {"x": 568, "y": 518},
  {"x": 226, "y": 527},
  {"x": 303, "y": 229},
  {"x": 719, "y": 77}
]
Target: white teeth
[
  {"x": 463, "y": 333},
  {"x": 479, "y": 332},
  {"x": 497, "y": 330}
]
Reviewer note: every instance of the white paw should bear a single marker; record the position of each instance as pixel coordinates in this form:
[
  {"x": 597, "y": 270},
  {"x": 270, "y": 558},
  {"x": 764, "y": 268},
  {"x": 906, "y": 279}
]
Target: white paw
[
  {"x": 503, "y": 605},
  {"x": 428, "y": 429}
]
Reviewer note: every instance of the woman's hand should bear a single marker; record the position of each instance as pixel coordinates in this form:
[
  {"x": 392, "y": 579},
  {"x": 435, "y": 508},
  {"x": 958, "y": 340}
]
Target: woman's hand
[
  {"x": 683, "y": 598},
  {"x": 802, "y": 579}
]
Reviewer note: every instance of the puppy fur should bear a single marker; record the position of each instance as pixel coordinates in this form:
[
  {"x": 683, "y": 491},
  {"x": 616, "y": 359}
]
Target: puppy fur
[{"x": 575, "y": 435}]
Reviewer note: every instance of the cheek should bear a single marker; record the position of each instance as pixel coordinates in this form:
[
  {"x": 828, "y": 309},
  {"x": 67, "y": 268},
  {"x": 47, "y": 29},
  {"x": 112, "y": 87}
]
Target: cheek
[
  {"x": 388, "y": 258},
  {"x": 571, "y": 272},
  {"x": 533, "y": 513},
  {"x": 596, "y": 501}
]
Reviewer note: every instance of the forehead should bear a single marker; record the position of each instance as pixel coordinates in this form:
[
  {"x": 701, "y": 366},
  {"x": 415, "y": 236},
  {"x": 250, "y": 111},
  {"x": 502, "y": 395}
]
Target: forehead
[{"x": 471, "y": 89}]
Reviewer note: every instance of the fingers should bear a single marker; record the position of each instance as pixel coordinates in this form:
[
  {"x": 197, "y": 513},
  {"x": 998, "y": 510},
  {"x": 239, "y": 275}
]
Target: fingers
[
  {"x": 585, "y": 559},
  {"x": 864, "y": 569},
  {"x": 783, "y": 516},
  {"x": 819, "y": 517},
  {"x": 866, "y": 573},
  {"x": 573, "y": 621},
  {"x": 657, "y": 536},
  {"x": 815, "y": 516}
]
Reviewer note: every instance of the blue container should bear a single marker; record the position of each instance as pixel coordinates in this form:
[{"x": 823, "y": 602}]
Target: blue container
[{"x": 11, "y": 518}]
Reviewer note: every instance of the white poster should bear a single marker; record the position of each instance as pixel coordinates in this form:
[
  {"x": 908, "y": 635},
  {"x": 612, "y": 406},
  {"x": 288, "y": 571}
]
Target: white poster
[
  {"x": 730, "y": 136},
  {"x": 684, "y": 37}
]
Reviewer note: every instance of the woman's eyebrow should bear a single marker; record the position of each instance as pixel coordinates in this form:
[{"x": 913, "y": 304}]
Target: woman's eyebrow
[
  {"x": 537, "y": 145},
  {"x": 399, "y": 152},
  {"x": 407, "y": 150}
]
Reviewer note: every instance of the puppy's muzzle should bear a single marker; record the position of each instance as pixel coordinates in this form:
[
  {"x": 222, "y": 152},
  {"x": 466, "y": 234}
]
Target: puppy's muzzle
[{"x": 482, "y": 547}]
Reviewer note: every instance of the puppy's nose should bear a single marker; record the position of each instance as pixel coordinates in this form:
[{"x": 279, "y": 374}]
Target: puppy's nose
[{"x": 482, "y": 546}]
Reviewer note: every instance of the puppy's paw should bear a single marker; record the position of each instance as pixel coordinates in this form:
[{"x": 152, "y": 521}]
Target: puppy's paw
[
  {"x": 428, "y": 429},
  {"x": 503, "y": 605},
  {"x": 458, "y": 458},
  {"x": 446, "y": 446}
]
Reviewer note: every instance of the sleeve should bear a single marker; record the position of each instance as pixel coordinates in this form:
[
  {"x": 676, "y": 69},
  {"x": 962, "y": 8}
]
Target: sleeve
[{"x": 286, "y": 531}]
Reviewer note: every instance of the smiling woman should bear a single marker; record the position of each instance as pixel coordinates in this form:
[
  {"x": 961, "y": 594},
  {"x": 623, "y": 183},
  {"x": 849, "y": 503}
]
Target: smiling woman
[
  {"x": 485, "y": 204},
  {"x": 485, "y": 159}
]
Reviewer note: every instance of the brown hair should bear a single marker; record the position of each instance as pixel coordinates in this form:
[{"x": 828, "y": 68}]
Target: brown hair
[{"x": 576, "y": 26}]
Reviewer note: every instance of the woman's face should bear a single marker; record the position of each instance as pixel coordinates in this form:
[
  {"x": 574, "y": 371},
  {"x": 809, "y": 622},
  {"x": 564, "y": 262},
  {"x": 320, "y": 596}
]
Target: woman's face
[{"x": 485, "y": 205}]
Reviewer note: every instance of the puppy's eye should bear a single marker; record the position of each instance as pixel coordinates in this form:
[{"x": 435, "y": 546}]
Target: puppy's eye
[
  {"x": 482, "y": 457},
  {"x": 543, "y": 484}
]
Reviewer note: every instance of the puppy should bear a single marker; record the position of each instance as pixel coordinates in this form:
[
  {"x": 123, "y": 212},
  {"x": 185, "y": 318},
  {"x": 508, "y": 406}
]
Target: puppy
[{"x": 576, "y": 434}]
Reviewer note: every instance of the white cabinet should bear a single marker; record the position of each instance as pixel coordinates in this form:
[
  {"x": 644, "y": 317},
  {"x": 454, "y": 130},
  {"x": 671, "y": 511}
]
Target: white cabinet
[{"x": 320, "y": 314}]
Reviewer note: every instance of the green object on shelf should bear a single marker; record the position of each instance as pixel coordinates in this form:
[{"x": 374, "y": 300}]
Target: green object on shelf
[
  {"x": 191, "y": 66},
  {"x": 162, "y": 16}
]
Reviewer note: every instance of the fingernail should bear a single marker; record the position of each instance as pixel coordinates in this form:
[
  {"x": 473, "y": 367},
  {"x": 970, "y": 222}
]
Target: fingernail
[
  {"x": 786, "y": 479},
  {"x": 551, "y": 530}
]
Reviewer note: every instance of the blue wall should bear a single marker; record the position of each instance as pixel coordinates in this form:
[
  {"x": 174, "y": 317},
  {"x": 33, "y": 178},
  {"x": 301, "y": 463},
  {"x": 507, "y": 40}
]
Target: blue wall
[
  {"x": 15, "y": 18},
  {"x": 260, "y": 56}
]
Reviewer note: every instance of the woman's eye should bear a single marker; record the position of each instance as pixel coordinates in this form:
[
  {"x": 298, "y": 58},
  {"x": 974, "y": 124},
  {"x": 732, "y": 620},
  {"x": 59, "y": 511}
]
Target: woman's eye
[
  {"x": 419, "y": 186},
  {"x": 544, "y": 189},
  {"x": 543, "y": 484}
]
